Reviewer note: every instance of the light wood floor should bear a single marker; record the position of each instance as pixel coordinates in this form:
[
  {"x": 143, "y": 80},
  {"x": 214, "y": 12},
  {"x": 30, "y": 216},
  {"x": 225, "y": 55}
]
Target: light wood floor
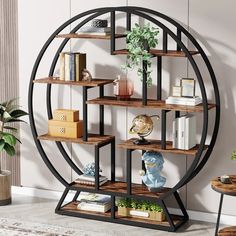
[{"x": 42, "y": 211}]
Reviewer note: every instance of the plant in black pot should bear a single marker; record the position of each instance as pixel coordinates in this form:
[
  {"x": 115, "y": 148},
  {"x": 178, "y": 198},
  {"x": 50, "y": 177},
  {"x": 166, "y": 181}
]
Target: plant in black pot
[
  {"x": 9, "y": 114},
  {"x": 139, "y": 40}
]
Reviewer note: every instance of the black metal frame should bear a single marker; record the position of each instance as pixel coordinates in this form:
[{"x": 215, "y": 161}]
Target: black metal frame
[{"x": 198, "y": 162}]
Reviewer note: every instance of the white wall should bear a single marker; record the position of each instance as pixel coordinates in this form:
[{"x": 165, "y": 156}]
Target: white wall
[{"x": 211, "y": 22}]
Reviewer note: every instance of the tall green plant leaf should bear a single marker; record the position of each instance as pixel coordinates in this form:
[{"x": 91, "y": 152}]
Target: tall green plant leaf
[
  {"x": 2, "y": 143},
  {"x": 10, "y": 128},
  {"x": 18, "y": 113},
  {"x": 9, "y": 149},
  {"x": 9, "y": 139}
]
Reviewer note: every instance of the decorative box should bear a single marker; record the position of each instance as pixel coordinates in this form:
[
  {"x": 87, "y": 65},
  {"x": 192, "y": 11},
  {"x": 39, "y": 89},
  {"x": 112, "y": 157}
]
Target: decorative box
[
  {"x": 66, "y": 115},
  {"x": 150, "y": 215},
  {"x": 65, "y": 129}
]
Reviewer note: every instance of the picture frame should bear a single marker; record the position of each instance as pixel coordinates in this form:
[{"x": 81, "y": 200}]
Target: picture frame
[
  {"x": 188, "y": 87},
  {"x": 176, "y": 91}
]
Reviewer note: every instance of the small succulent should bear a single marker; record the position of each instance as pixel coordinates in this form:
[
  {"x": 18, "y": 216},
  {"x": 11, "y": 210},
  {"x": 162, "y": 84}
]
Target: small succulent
[{"x": 233, "y": 155}]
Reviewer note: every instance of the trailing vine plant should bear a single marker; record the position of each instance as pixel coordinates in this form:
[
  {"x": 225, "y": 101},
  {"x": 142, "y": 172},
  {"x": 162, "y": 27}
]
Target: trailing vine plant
[{"x": 139, "y": 40}]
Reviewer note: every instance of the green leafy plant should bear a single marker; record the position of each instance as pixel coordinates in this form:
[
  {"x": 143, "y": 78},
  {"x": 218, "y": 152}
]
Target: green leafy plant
[
  {"x": 9, "y": 113},
  {"x": 139, "y": 40},
  {"x": 138, "y": 205},
  {"x": 233, "y": 155}
]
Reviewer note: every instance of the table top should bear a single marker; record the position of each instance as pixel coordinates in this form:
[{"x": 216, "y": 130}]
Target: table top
[
  {"x": 228, "y": 189},
  {"x": 228, "y": 231}
]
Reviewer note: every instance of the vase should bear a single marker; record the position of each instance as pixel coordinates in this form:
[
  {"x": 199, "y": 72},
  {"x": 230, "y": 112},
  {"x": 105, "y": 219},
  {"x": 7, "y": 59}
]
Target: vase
[
  {"x": 5, "y": 187},
  {"x": 123, "y": 88}
]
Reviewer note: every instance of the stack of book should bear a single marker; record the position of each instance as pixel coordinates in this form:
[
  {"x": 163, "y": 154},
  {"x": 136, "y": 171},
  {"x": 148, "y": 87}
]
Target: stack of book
[
  {"x": 72, "y": 66},
  {"x": 103, "y": 31},
  {"x": 94, "y": 202},
  {"x": 184, "y": 101},
  {"x": 184, "y": 132},
  {"x": 90, "y": 180}
]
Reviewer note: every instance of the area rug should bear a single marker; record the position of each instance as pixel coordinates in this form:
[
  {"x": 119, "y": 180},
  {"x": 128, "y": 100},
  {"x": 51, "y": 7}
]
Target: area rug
[{"x": 13, "y": 227}]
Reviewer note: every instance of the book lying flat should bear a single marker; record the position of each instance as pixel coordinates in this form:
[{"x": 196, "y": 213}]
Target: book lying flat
[
  {"x": 92, "y": 207},
  {"x": 92, "y": 183},
  {"x": 89, "y": 29},
  {"x": 90, "y": 178},
  {"x": 94, "y": 198},
  {"x": 184, "y": 101}
]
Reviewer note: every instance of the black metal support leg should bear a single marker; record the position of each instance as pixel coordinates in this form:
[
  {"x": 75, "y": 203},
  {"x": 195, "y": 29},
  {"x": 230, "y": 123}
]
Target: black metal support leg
[
  {"x": 97, "y": 167},
  {"x": 219, "y": 214},
  {"x": 62, "y": 199},
  {"x": 163, "y": 129},
  {"x": 159, "y": 78},
  {"x": 165, "y": 42},
  {"x": 85, "y": 114},
  {"x": 129, "y": 172},
  {"x": 179, "y": 37},
  {"x": 181, "y": 205},
  {"x": 128, "y": 21},
  {"x": 168, "y": 216},
  {"x": 177, "y": 114},
  {"x": 76, "y": 196},
  {"x": 101, "y": 111},
  {"x": 144, "y": 92},
  {"x": 113, "y": 207},
  {"x": 143, "y": 165},
  {"x": 113, "y": 28},
  {"x": 113, "y": 160}
]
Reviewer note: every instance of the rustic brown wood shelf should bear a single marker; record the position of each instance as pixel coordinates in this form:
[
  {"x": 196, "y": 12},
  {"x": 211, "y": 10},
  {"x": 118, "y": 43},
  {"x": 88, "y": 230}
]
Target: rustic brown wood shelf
[
  {"x": 228, "y": 231},
  {"x": 89, "y": 36},
  {"x": 157, "y": 52},
  {"x": 120, "y": 188},
  {"x": 156, "y": 146},
  {"x": 137, "y": 102},
  {"x": 55, "y": 80},
  {"x": 93, "y": 139}
]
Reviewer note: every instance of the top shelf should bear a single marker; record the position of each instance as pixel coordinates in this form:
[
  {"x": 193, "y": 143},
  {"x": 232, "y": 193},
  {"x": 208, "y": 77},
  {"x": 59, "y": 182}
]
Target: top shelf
[
  {"x": 157, "y": 52},
  {"x": 88, "y": 36},
  {"x": 92, "y": 83}
]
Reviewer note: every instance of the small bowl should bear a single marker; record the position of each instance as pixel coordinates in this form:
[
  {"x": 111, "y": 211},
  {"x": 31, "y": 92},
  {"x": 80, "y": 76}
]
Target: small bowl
[{"x": 225, "y": 179}]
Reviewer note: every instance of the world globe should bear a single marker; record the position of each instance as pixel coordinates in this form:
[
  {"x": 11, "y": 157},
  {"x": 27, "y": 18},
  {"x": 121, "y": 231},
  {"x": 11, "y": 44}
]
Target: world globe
[{"x": 142, "y": 125}]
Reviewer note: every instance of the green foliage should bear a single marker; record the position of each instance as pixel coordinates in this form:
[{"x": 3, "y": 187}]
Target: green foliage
[
  {"x": 233, "y": 155},
  {"x": 139, "y": 40},
  {"x": 9, "y": 113},
  {"x": 138, "y": 205}
]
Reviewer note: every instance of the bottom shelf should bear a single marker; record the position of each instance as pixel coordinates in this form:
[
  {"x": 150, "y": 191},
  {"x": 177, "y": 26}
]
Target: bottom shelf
[{"x": 71, "y": 210}]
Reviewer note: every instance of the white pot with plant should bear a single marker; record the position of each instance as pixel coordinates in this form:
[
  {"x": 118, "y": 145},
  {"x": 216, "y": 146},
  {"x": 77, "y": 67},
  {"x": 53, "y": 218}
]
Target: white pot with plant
[
  {"x": 139, "y": 40},
  {"x": 9, "y": 114}
]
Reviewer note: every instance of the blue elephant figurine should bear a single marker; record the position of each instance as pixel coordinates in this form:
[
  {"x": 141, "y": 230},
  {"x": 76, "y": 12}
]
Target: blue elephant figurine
[{"x": 154, "y": 164}]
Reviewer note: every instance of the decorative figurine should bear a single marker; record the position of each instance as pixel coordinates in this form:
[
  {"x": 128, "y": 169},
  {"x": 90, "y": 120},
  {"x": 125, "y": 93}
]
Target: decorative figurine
[
  {"x": 143, "y": 126},
  {"x": 154, "y": 164},
  {"x": 86, "y": 75},
  {"x": 89, "y": 169}
]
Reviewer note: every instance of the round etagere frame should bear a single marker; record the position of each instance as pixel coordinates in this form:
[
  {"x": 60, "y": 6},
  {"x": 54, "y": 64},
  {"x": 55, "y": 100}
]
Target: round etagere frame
[{"x": 114, "y": 188}]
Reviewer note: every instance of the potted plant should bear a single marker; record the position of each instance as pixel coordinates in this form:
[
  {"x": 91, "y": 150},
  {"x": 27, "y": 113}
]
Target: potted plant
[
  {"x": 233, "y": 155},
  {"x": 9, "y": 113},
  {"x": 141, "y": 209},
  {"x": 139, "y": 40}
]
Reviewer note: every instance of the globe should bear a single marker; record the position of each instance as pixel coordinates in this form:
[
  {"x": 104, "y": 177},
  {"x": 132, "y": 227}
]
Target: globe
[{"x": 142, "y": 125}]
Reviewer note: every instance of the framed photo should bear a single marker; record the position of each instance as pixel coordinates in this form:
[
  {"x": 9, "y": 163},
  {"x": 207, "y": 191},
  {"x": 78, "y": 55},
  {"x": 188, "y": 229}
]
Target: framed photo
[
  {"x": 188, "y": 87},
  {"x": 176, "y": 91}
]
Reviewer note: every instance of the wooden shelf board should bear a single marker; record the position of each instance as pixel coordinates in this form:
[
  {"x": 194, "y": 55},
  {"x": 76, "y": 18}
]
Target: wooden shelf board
[
  {"x": 55, "y": 80},
  {"x": 121, "y": 188},
  {"x": 89, "y": 36},
  {"x": 156, "y": 146},
  {"x": 137, "y": 102},
  {"x": 72, "y": 207},
  {"x": 157, "y": 52},
  {"x": 94, "y": 139},
  {"x": 227, "y": 231}
]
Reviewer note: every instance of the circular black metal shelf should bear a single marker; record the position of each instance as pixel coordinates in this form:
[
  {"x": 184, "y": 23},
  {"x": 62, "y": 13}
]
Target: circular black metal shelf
[{"x": 201, "y": 156}]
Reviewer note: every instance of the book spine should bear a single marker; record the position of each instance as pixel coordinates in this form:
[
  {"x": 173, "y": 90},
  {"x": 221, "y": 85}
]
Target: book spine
[
  {"x": 181, "y": 131},
  {"x": 190, "y": 132},
  {"x": 175, "y": 134},
  {"x": 183, "y": 103},
  {"x": 67, "y": 67},
  {"x": 62, "y": 66},
  {"x": 72, "y": 67},
  {"x": 88, "y": 208},
  {"x": 77, "y": 73}
]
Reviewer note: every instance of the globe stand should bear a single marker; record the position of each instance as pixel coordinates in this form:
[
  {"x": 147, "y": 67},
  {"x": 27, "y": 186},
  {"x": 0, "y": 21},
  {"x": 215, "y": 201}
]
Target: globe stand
[{"x": 141, "y": 141}]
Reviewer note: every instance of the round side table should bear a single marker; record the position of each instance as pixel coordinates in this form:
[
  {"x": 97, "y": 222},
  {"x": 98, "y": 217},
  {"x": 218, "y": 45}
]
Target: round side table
[{"x": 224, "y": 189}]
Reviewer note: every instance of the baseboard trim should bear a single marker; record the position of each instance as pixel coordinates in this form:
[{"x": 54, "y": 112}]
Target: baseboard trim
[{"x": 55, "y": 195}]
